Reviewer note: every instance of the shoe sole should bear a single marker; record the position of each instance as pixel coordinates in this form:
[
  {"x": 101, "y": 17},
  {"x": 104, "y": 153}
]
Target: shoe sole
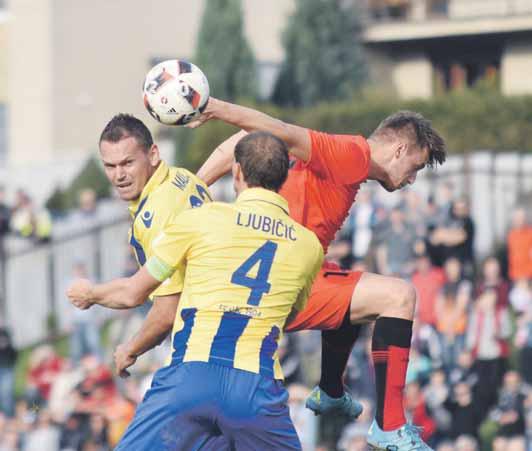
[
  {"x": 317, "y": 412},
  {"x": 378, "y": 448}
]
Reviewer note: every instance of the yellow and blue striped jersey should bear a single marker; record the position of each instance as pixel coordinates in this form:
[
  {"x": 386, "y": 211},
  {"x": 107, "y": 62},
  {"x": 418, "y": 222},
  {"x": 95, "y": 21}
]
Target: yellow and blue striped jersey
[
  {"x": 169, "y": 191},
  {"x": 247, "y": 265}
]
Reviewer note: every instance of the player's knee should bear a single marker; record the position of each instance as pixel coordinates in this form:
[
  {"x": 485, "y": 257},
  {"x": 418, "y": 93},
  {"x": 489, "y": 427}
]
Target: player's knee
[{"x": 405, "y": 298}]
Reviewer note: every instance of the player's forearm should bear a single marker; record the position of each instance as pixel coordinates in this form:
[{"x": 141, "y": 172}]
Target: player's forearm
[
  {"x": 153, "y": 331},
  {"x": 295, "y": 137},
  {"x": 116, "y": 294},
  {"x": 219, "y": 162}
]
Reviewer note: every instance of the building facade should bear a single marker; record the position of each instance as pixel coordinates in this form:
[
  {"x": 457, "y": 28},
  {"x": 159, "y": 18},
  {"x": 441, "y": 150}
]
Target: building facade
[
  {"x": 432, "y": 46},
  {"x": 66, "y": 66}
]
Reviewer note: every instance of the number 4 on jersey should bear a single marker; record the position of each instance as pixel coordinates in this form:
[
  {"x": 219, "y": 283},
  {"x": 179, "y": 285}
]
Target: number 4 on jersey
[{"x": 259, "y": 285}]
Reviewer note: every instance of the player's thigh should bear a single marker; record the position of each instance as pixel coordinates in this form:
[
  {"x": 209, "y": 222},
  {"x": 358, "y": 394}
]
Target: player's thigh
[
  {"x": 376, "y": 295},
  {"x": 257, "y": 417},
  {"x": 174, "y": 414},
  {"x": 328, "y": 302}
]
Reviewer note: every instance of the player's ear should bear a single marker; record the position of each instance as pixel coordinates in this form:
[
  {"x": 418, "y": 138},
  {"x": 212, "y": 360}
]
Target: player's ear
[
  {"x": 236, "y": 171},
  {"x": 154, "y": 155},
  {"x": 400, "y": 149}
]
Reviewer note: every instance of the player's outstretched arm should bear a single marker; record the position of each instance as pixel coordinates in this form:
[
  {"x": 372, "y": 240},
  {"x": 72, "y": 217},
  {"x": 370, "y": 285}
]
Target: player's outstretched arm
[
  {"x": 121, "y": 293},
  {"x": 219, "y": 162},
  {"x": 297, "y": 138},
  {"x": 157, "y": 325}
]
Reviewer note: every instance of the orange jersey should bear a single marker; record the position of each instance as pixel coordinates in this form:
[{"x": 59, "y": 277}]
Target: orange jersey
[
  {"x": 320, "y": 192},
  {"x": 520, "y": 253}
]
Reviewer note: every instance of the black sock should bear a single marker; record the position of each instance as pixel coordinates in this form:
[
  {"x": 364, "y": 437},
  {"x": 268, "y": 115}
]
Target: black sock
[
  {"x": 336, "y": 347},
  {"x": 390, "y": 349}
]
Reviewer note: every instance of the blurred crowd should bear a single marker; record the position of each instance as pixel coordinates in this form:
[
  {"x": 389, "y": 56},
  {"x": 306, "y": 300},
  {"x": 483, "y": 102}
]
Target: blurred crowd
[
  {"x": 71, "y": 400},
  {"x": 469, "y": 382},
  {"x": 470, "y": 375},
  {"x": 23, "y": 218}
]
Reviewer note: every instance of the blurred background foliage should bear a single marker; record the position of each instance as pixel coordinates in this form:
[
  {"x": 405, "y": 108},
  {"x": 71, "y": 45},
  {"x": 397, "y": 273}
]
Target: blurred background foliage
[{"x": 472, "y": 119}]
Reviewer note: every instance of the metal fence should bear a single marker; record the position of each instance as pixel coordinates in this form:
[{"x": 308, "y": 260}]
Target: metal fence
[
  {"x": 494, "y": 183},
  {"x": 34, "y": 279}
]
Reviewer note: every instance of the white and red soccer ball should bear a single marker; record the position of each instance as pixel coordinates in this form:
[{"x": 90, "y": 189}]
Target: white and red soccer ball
[{"x": 175, "y": 92}]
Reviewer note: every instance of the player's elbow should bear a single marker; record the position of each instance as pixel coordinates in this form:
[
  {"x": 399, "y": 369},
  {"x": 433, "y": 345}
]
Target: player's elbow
[{"x": 133, "y": 298}]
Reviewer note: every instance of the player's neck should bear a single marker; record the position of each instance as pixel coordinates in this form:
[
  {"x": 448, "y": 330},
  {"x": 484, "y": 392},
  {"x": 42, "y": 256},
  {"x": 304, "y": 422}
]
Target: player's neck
[{"x": 377, "y": 161}]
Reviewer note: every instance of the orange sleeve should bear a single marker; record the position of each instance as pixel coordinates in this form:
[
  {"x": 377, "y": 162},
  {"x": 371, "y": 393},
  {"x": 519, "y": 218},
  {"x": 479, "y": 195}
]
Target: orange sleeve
[{"x": 342, "y": 158}]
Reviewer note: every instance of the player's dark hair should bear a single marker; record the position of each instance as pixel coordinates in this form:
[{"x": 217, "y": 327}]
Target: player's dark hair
[
  {"x": 418, "y": 130},
  {"x": 263, "y": 159},
  {"x": 124, "y": 126}
]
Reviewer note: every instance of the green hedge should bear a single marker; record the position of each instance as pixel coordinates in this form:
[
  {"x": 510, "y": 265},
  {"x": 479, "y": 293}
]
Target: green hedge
[{"x": 480, "y": 118}]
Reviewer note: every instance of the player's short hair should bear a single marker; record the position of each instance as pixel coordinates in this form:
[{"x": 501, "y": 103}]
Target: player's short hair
[
  {"x": 418, "y": 130},
  {"x": 264, "y": 160},
  {"x": 123, "y": 126}
]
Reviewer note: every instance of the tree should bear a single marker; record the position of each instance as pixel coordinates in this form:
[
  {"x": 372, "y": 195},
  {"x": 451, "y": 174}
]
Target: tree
[
  {"x": 223, "y": 52},
  {"x": 91, "y": 176},
  {"x": 323, "y": 55}
]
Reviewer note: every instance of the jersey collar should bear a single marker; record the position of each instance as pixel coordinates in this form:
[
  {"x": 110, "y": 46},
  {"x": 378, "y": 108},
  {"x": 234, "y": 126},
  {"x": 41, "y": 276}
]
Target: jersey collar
[
  {"x": 158, "y": 177},
  {"x": 263, "y": 195}
]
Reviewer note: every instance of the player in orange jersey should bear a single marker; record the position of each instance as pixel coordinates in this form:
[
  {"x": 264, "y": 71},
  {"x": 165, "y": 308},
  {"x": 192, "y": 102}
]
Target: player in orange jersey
[{"x": 322, "y": 184}]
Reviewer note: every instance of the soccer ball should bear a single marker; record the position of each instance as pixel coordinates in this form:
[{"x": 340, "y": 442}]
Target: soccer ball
[{"x": 175, "y": 92}]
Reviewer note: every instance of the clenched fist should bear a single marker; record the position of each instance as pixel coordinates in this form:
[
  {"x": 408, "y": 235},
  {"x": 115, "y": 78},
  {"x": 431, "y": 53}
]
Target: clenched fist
[{"x": 79, "y": 294}]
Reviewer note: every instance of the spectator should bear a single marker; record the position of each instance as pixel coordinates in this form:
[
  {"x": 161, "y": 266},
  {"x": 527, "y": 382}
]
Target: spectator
[
  {"x": 493, "y": 280},
  {"x": 98, "y": 432},
  {"x": 45, "y": 436},
  {"x": 523, "y": 336},
  {"x": 304, "y": 420},
  {"x": 436, "y": 392},
  {"x": 28, "y": 221},
  {"x": 487, "y": 338},
  {"x": 308, "y": 346},
  {"x": 466, "y": 416},
  {"x": 45, "y": 365},
  {"x": 414, "y": 210},
  {"x": 428, "y": 281},
  {"x": 395, "y": 255},
  {"x": 464, "y": 370},
  {"x": 5, "y": 214},
  {"x": 416, "y": 408},
  {"x": 10, "y": 440},
  {"x": 86, "y": 216},
  {"x": 72, "y": 434},
  {"x": 289, "y": 358},
  {"x": 362, "y": 221},
  {"x": 359, "y": 374},
  {"x": 84, "y": 324},
  {"x": 466, "y": 443},
  {"x": 520, "y": 246},
  {"x": 446, "y": 445},
  {"x": 452, "y": 306},
  {"x": 521, "y": 296},
  {"x": 8, "y": 358},
  {"x": 509, "y": 415},
  {"x": 353, "y": 438},
  {"x": 419, "y": 367},
  {"x": 456, "y": 236},
  {"x": 63, "y": 395}
]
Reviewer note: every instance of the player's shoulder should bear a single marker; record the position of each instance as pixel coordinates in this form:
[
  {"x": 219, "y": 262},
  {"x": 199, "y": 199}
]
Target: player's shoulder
[
  {"x": 325, "y": 139},
  {"x": 210, "y": 210},
  {"x": 310, "y": 236},
  {"x": 182, "y": 179},
  {"x": 179, "y": 185}
]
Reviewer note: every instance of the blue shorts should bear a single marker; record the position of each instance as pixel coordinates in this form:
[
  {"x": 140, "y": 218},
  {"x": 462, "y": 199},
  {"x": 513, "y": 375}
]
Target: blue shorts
[{"x": 204, "y": 406}]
